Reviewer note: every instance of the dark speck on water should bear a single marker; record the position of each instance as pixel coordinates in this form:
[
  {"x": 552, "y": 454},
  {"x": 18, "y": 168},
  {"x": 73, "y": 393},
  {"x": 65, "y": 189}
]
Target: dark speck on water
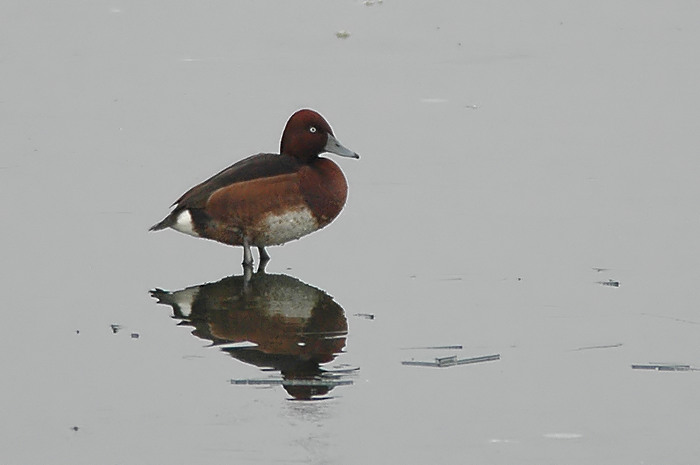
[{"x": 366, "y": 316}]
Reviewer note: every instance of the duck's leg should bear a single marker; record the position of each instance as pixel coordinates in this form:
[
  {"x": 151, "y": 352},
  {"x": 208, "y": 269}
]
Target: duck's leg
[
  {"x": 264, "y": 258},
  {"x": 247, "y": 274},
  {"x": 247, "y": 255}
]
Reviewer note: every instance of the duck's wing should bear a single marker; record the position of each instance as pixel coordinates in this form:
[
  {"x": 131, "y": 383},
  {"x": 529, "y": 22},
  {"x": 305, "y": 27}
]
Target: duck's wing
[{"x": 255, "y": 167}]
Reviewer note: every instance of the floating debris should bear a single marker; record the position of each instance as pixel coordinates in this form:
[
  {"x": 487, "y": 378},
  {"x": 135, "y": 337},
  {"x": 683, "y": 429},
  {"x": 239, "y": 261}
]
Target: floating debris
[
  {"x": 664, "y": 367},
  {"x": 446, "y": 361},
  {"x": 74, "y": 428},
  {"x": 442, "y": 362},
  {"x": 610, "y": 283},
  {"x": 372, "y": 2},
  {"x": 606, "y": 346},
  {"x": 471, "y": 107},
  {"x": 366, "y": 316},
  {"x": 599, "y": 269},
  {"x": 342, "y": 34},
  {"x": 115, "y": 328},
  {"x": 455, "y": 347},
  {"x": 135, "y": 335}
]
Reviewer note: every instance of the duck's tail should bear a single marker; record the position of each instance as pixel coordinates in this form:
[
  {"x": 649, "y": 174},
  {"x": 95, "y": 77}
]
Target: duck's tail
[{"x": 167, "y": 222}]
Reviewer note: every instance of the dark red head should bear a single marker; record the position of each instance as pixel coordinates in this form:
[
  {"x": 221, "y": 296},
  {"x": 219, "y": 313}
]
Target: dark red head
[{"x": 307, "y": 135}]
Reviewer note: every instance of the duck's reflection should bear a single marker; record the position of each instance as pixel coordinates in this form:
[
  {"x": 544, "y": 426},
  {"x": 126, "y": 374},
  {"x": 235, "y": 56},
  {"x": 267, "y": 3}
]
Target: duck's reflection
[{"x": 272, "y": 321}]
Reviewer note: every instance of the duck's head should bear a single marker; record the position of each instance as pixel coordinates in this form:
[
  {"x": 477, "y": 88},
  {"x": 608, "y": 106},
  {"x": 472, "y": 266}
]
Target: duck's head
[{"x": 307, "y": 135}]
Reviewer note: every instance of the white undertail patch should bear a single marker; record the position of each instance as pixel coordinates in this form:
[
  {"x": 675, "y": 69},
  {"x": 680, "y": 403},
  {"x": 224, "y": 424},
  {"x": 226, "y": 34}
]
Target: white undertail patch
[
  {"x": 184, "y": 224},
  {"x": 184, "y": 300}
]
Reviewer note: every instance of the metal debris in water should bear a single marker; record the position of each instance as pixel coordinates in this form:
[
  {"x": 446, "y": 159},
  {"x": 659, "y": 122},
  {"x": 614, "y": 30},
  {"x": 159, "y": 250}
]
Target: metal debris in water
[
  {"x": 442, "y": 362},
  {"x": 664, "y": 367}
]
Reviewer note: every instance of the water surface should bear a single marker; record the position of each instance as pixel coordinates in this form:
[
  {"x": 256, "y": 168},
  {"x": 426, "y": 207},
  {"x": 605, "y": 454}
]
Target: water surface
[{"x": 515, "y": 159}]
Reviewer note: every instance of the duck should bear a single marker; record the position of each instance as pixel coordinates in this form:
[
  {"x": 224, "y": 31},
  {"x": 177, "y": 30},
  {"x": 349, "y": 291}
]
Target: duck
[{"x": 269, "y": 199}]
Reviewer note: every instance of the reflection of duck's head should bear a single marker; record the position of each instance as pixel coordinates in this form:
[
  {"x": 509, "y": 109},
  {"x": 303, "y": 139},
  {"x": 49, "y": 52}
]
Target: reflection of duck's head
[{"x": 294, "y": 327}]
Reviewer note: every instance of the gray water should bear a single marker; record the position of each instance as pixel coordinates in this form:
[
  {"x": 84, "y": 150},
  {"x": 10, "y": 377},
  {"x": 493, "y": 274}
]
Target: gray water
[{"x": 515, "y": 159}]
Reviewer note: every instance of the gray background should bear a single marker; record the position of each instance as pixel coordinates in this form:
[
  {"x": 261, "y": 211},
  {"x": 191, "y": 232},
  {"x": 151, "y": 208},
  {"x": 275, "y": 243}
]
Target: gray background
[{"x": 507, "y": 149}]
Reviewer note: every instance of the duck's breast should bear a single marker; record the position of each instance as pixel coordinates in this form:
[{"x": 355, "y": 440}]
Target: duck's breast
[{"x": 324, "y": 189}]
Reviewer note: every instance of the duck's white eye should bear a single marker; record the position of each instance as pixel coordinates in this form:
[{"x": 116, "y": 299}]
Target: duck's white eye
[{"x": 312, "y": 129}]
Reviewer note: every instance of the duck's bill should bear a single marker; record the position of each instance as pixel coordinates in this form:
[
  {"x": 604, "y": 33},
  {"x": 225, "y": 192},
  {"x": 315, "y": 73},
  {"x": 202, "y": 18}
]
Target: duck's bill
[{"x": 333, "y": 146}]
